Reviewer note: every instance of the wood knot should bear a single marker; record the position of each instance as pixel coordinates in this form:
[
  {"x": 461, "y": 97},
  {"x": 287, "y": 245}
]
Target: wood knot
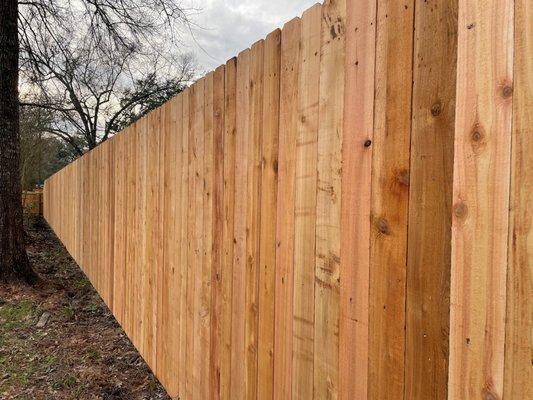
[
  {"x": 436, "y": 109},
  {"x": 303, "y": 119},
  {"x": 368, "y": 143},
  {"x": 403, "y": 178},
  {"x": 383, "y": 226},
  {"x": 460, "y": 210},
  {"x": 275, "y": 166},
  {"x": 477, "y": 137},
  {"x": 507, "y": 91},
  {"x": 488, "y": 394}
]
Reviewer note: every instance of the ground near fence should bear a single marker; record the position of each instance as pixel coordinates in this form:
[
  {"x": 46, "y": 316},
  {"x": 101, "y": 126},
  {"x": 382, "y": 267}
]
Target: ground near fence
[{"x": 80, "y": 352}]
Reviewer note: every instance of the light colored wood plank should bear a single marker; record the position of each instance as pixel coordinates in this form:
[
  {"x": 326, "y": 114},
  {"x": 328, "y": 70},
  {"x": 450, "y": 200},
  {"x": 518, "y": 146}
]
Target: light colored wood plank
[
  {"x": 119, "y": 261},
  {"x": 192, "y": 240},
  {"x": 328, "y": 205},
  {"x": 230, "y": 109},
  {"x": 269, "y": 182},
  {"x": 430, "y": 200},
  {"x": 207, "y": 243},
  {"x": 218, "y": 277},
  {"x": 356, "y": 186},
  {"x": 290, "y": 49},
  {"x": 183, "y": 119},
  {"x": 253, "y": 217},
  {"x": 152, "y": 227},
  {"x": 305, "y": 204},
  {"x": 390, "y": 195},
  {"x": 131, "y": 217},
  {"x": 197, "y": 131},
  {"x": 238, "y": 351},
  {"x": 171, "y": 284},
  {"x": 481, "y": 199},
  {"x": 518, "y": 378}
]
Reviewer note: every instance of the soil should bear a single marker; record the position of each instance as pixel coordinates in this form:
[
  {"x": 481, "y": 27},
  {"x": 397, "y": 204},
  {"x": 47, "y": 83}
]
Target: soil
[{"x": 81, "y": 352}]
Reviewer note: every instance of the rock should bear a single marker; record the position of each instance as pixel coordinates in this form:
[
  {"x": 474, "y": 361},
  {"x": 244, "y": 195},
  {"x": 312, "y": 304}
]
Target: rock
[{"x": 43, "y": 320}]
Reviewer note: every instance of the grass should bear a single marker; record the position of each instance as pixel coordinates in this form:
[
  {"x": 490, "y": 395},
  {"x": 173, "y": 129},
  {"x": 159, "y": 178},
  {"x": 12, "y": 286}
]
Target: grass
[{"x": 16, "y": 315}]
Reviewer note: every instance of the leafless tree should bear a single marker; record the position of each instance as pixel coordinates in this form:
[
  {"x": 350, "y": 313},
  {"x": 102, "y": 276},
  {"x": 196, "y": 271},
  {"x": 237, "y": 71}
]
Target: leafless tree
[
  {"x": 62, "y": 46},
  {"x": 101, "y": 64}
]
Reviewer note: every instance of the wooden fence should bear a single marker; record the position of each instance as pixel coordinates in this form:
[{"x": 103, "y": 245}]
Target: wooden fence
[
  {"x": 342, "y": 211},
  {"x": 32, "y": 202}
]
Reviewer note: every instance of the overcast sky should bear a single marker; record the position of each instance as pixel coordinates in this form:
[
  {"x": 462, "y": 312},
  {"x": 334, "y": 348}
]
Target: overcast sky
[{"x": 229, "y": 26}]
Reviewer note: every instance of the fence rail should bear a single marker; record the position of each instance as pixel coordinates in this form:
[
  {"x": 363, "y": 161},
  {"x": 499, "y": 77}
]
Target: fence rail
[{"x": 341, "y": 211}]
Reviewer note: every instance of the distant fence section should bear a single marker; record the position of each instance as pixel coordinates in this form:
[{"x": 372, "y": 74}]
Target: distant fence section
[
  {"x": 32, "y": 202},
  {"x": 341, "y": 211}
]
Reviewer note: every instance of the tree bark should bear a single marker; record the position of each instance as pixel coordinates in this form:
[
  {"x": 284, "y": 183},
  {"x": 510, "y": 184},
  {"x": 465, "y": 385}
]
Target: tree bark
[{"x": 14, "y": 263}]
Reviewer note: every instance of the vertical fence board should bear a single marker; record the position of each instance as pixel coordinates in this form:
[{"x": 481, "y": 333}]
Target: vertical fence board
[
  {"x": 238, "y": 319},
  {"x": 518, "y": 378},
  {"x": 119, "y": 260},
  {"x": 199, "y": 232},
  {"x": 183, "y": 120},
  {"x": 305, "y": 204},
  {"x": 481, "y": 199},
  {"x": 355, "y": 203},
  {"x": 290, "y": 48},
  {"x": 389, "y": 208},
  {"x": 328, "y": 203},
  {"x": 207, "y": 244},
  {"x": 253, "y": 217},
  {"x": 218, "y": 276},
  {"x": 230, "y": 97},
  {"x": 267, "y": 262},
  {"x": 192, "y": 257},
  {"x": 431, "y": 179}
]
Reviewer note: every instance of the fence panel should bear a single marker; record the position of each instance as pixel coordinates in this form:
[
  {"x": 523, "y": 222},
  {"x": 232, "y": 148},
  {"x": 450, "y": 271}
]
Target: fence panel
[{"x": 326, "y": 215}]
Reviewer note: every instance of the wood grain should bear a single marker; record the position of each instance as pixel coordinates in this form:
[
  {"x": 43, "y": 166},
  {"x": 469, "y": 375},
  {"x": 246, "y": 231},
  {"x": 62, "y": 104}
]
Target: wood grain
[
  {"x": 267, "y": 241},
  {"x": 431, "y": 180},
  {"x": 305, "y": 204},
  {"x": 290, "y": 48},
  {"x": 356, "y": 187},
  {"x": 238, "y": 318},
  {"x": 328, "y": 202},
  {"x": 390, "y": 195},
  {"x": 518, "y": 374},
  {"x": 481, "y": 199}
]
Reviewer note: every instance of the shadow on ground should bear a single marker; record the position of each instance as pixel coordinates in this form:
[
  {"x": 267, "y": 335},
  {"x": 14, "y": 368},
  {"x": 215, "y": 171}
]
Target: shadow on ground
[{"x": 62, "y": 342}]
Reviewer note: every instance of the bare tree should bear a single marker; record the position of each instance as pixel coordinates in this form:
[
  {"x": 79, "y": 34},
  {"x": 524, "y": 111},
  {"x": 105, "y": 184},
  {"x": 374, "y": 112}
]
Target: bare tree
[
  {"x": 101, "y": 64},
  {"x": 42, "y": 154},
  {"x": 14, "y": 263},
  {"x": 68, "y": 33}
]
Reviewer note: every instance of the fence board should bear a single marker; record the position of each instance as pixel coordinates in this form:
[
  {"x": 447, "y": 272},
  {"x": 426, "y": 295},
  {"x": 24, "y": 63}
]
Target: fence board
[
  {"x": 431, "y": 178},
  {"x": 481, "y": 199},
  {"x": 518, "y": 376},
  {"x": 389, "y": 204},
  {"x": 269, "y": 184},
  {"x": 328, "y": 202},
  {"x": 290, "y": 48},
  {"x": 355, "y": 202},
  {"x": 218, "y": 276},
  {"x": 305, "y": 204}
]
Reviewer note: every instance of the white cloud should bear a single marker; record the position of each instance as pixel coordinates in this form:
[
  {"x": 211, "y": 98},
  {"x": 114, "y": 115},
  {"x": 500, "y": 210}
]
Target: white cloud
[{"x": 225, "y": 27}]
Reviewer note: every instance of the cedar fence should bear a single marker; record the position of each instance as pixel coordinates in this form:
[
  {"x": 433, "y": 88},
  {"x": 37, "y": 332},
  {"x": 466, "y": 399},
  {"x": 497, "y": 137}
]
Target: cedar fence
[
  {"x": 32, "y": 202},
  {"x": 341, "y": 211}
]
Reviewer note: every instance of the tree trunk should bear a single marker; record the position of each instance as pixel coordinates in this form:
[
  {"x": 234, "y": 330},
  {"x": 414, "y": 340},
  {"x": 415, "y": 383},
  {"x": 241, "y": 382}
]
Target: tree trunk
[{"x": 14, "y": 263}]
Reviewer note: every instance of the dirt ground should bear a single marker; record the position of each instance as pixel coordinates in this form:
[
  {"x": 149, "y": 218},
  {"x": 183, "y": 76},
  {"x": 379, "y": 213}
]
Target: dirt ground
[{"x": 81, "y": 352}]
